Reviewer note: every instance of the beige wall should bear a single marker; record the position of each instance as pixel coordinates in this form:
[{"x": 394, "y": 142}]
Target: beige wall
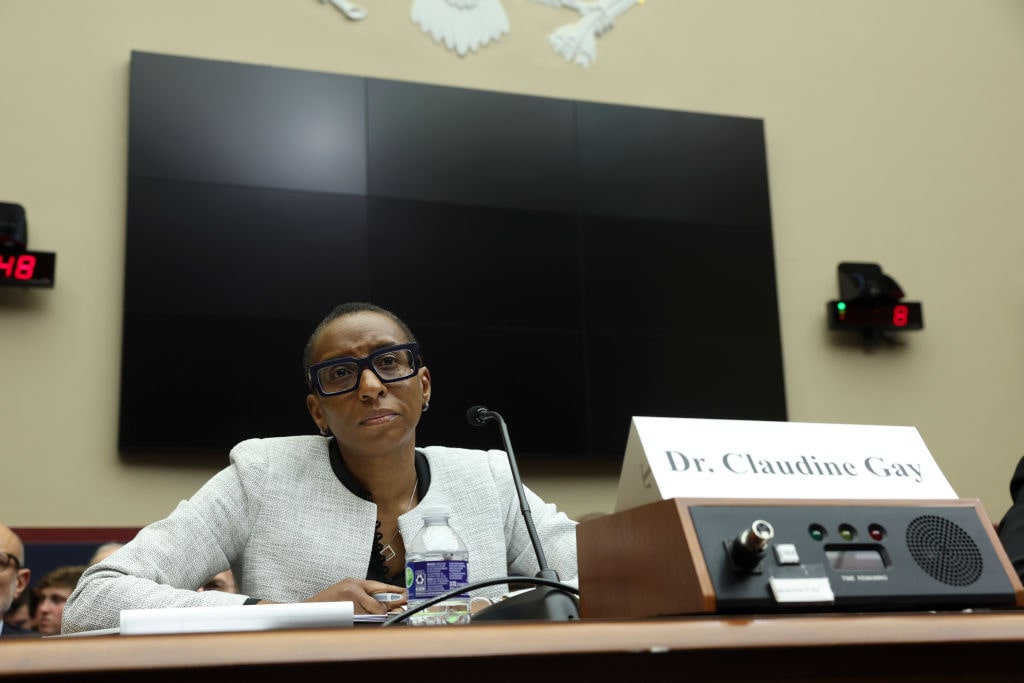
[{"x": 895, "y": 134}]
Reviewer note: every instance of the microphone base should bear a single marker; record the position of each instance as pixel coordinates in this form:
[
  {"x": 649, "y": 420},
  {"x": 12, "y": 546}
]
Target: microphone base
[{"x": 543, "y": 603}]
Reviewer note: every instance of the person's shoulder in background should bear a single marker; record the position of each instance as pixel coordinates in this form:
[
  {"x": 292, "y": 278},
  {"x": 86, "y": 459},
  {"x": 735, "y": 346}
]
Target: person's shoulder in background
[
  {"x": 11, "y": 631},
  {"x": 1011, "y": 526}
]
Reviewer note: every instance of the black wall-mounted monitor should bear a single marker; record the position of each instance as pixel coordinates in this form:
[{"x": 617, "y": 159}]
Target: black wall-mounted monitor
[{"x": 605, "y": 260}]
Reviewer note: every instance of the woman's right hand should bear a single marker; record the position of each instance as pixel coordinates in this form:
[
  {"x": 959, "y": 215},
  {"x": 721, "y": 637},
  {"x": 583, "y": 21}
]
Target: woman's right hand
[{"x": 359, "y": 593}]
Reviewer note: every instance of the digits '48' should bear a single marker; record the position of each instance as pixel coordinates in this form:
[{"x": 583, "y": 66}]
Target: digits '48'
[{"x": 18, "y": 266}]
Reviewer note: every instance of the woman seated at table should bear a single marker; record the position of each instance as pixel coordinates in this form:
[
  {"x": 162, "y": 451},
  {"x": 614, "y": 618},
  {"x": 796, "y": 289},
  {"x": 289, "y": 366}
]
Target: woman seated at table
[{"x": 326, "y": 517}]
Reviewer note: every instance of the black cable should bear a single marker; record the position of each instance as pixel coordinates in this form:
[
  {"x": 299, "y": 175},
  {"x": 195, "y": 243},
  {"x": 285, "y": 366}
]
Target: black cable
[{"x": 473, "y": 586}]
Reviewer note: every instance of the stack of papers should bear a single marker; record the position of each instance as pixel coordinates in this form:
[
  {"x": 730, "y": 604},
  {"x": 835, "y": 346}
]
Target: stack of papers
[{"x": 237, "y": 618}]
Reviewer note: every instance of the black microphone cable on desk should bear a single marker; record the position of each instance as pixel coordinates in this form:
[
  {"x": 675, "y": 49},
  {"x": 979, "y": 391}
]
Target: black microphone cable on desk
[{"x": 398, "y": 618}]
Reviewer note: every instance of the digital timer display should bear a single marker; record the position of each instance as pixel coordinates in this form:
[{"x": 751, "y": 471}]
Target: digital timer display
[
  {"x": 27, "y": 268},
  {"x": 856, "y": 559},
  {"x": 875, "y": 315}
]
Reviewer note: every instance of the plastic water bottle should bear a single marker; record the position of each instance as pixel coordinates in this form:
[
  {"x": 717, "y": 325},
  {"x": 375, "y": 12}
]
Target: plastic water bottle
[{"x": 436, "y": 561}]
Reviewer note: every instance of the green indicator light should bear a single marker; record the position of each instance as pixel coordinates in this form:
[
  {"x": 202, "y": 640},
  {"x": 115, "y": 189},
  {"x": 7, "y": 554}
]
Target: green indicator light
[
  {"x": 841, "y": 306},
  {"x": 817, "y": 533}
]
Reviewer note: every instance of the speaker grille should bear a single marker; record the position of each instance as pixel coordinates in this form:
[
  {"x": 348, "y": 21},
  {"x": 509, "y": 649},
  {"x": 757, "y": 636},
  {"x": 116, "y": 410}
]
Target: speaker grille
[{"x": 944, "y": 550}]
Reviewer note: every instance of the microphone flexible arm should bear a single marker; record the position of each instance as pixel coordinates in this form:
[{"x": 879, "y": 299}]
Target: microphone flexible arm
[
  {"x": 479, "y": 416},
  {"x": 550, "y": 600}
]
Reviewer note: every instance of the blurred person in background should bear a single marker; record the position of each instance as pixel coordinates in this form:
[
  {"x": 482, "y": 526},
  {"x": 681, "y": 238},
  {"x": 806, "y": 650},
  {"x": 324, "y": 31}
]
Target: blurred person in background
[
  {"x": 104, "y": 551},
  {"x": 52, "y": 591},
  {"x": 19, "y": 614},
  {"x": 14, "y": 578}
]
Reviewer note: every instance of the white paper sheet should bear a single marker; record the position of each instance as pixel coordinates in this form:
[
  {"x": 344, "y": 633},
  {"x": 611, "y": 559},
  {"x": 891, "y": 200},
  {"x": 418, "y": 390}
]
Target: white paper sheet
[{"x": 236, "y": 618}]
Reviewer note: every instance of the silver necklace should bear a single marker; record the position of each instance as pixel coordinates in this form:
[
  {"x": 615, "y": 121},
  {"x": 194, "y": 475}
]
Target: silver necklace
[{"x": 387, "y": 552}]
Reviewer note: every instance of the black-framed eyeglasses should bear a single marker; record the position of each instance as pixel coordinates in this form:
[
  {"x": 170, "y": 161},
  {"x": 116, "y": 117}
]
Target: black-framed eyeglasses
[
  {"x": 6, "y": 559},
  {"x": 341, "y": 375}
]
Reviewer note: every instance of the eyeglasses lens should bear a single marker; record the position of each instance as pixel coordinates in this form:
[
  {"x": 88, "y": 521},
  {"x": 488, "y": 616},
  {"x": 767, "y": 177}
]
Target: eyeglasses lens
[{"x": 390, "y": 365}]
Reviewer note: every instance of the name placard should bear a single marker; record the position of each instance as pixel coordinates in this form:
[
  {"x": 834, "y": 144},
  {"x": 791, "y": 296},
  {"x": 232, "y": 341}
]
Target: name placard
[{"x": 703, "y": 458}]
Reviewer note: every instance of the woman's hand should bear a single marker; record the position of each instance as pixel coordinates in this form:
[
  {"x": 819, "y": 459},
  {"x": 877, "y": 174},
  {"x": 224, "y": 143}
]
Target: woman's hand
[{"x": 360, "y": 593}]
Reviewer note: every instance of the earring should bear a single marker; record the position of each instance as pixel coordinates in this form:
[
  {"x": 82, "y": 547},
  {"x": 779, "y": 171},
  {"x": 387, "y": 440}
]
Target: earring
[
  {"x": 426, "y": 406},
  {"x": 324, "y": 431}
]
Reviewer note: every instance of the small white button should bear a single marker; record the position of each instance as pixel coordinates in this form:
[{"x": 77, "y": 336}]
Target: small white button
[{"x": 786, "y": 553}]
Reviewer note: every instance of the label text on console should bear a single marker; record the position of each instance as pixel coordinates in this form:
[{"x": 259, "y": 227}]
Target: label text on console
[{"x": 802, "y": 466}]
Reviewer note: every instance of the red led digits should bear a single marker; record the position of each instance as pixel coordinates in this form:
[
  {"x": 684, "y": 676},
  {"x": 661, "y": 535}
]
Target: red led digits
[
  {"x": 19, "y": 267},
  {"x": 900, "y": 315}
]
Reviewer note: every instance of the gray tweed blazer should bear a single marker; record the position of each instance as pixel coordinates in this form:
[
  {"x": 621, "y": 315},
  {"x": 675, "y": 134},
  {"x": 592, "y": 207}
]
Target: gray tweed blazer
[{"x": 281, "y": 520}]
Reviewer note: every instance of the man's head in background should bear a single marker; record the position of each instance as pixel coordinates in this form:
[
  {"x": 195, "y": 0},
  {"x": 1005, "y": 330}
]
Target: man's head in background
[
  {"x": 14, "y": 576},
  {"x": 104, "y": 551},
  {"x": 52, "y": 591},
  {"x": 19, "y": 614}
]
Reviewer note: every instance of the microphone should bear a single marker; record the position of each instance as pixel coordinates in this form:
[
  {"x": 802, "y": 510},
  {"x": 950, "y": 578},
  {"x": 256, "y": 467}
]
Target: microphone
[
  {"x": 546, "y": 601},
  {"x": 478, "y": 416}
]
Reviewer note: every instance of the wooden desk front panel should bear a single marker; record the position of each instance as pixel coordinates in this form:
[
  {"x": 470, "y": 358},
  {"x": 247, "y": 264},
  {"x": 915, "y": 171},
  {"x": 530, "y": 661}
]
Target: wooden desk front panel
[{"x": 909, "y": 648}]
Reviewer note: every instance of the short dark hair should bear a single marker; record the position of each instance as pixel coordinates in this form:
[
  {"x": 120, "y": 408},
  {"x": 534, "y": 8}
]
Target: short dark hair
[
  {"x": 61, "y": 577},
  {"x": 24, "y": 598},
  {"x": 341, "y": 311}
]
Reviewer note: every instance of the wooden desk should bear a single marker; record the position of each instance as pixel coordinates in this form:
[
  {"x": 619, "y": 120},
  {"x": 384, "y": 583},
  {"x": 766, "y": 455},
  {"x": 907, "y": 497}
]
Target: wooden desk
[{"x": 853, "y": 648}]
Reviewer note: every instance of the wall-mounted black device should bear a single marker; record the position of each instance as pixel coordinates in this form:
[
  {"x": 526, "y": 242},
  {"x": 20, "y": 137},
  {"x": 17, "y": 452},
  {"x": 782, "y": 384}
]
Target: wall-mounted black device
[
  {"x": 871, "y": 302},
  {"x": 19, "y": 266}
]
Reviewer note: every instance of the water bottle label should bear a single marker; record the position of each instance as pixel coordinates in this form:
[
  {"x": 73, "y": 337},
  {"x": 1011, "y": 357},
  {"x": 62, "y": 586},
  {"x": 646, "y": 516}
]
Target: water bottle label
[{"x": 427, "y": 579}]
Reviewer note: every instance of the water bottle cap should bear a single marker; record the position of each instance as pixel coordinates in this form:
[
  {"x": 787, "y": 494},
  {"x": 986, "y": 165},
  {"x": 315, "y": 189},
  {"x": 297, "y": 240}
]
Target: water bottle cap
[{"x": 435, "y": 511}]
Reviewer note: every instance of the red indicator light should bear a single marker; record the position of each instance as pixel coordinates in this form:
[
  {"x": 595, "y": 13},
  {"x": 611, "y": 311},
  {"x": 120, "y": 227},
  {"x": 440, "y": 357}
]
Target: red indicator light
[{"x": 876, "y": 532}]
